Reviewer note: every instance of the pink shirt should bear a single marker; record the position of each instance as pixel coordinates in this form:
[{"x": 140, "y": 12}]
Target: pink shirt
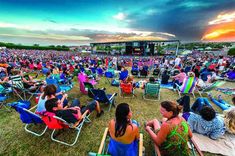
[{"x": 180, "y": 77}]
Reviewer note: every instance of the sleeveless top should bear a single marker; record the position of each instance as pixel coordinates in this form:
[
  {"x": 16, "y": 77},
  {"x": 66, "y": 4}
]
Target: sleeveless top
[{"x": 176, "y": 142}]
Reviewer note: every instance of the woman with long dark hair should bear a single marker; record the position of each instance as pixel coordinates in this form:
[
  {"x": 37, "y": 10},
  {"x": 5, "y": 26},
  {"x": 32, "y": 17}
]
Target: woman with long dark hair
[{"x": 124, "y": 133}]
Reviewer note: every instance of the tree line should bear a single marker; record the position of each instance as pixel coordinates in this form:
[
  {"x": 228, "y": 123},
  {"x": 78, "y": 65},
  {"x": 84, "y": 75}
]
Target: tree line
[{"x": 34, "y": 47}]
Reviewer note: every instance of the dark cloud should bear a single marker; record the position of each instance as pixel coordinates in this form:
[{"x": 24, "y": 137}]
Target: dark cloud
[{"x": 186, "y": 19}]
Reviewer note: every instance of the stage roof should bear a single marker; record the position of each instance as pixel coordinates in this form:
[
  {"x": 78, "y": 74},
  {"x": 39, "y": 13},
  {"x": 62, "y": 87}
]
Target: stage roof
[{"x": 135, "y": 41}]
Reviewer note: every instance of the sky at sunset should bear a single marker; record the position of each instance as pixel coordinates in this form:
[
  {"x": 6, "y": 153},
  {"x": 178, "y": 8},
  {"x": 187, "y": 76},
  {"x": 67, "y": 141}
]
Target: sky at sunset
[{"x": 76, "y": 22}]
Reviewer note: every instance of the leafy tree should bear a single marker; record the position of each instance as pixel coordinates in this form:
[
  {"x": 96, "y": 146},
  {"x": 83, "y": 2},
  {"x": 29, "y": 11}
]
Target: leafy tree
[{"x": 231, "y": 51}]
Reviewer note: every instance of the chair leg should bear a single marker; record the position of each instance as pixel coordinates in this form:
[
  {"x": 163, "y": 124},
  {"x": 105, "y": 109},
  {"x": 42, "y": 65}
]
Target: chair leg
[
  {"x": 193, "y": 95},
  {"x": 3, "y": 105},
  {"x": 78, "y": 129},
  {"x": 34, "y": 133}
]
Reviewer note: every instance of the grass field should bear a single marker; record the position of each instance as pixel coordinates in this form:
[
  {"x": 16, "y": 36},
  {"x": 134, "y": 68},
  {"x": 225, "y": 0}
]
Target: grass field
[{"x": 15, "y": 141}]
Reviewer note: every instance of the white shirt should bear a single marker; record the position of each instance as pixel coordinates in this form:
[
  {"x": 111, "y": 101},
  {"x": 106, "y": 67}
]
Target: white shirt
[{"x": 177, "y": 61}]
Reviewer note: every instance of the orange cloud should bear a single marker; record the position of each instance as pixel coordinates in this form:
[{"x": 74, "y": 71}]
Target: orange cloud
[{"x": 221, "y": 29}]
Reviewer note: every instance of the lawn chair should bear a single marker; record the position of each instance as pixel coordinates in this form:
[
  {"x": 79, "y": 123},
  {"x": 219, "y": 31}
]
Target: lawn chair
[
  {"x": 123, "y": 75},
  {"x": 100, "y": 72},
  {"x": 135, "y": 70},
  {"x": 187, "y": 87},
  {"x": 143, "y": 73},
  {"x": 28, "y": 117},
  {"x": 84, "y": 84},
  {"x": 57, "y": 77},
  {"x": 109, "y": 75},
  {"x": 152, "y": 89},
  {"x": 88, "y": 86},
  {"x": 209, "y": 88},
  {"x": 194, "y": 149},
  {"x": 4, "y": 94},
  {"x": 103, "y": 148},
  {"x": 45, "y": 71},
  {"x": 156, "y": 72},
  {"x": 56, "y": 123},
  {"x": 19, "y": 89},
  {"x": 126, "y": 89},
  {"x": 101, "y": 96}
]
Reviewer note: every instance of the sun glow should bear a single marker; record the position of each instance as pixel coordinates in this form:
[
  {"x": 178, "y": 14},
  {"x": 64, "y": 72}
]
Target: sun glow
[{"x": 221, "y": 29}]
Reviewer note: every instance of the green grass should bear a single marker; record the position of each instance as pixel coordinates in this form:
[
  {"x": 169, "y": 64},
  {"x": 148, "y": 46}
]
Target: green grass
[{"x": 15, "y": 141}]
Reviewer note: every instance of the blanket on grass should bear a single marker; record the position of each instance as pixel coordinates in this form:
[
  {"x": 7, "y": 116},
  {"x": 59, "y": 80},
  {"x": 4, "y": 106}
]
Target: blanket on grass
[{"x": 224, "y": 145}]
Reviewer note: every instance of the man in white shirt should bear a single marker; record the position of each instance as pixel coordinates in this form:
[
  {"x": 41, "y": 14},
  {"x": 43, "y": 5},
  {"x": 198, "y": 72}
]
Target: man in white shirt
[{"x": 177, "y": 61}]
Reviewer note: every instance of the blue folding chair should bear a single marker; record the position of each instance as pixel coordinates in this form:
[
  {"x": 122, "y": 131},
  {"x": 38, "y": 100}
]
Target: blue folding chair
[
  {"x": 109, "y": 75},
  {"x": 101, "y": 96},
  {"x": 135, "y": 70},
  {"x": 4, "y": 96},
  {"x": 55, "y": 82},
  {"x": 45, "y": 70},
  {"x": 100, "y": 71},
  {"x": 123, "y": 75},
  {"x": 28, "y": 117}
]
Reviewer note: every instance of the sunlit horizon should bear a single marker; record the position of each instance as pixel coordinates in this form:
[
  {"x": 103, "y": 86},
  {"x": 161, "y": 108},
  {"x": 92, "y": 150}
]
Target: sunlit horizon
[{"x": 60, "y": 22}]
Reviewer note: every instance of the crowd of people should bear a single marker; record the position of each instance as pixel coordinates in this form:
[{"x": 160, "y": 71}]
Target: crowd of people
[{"x": 170, "y": 133}]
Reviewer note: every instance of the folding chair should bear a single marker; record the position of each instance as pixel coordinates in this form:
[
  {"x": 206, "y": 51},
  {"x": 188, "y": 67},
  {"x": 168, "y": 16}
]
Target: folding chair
[
  {"x": 143, "y": 73},
  {"x": 109, "y": 75},
  {"x": 156, "y": 72},
  {"x": 56, "y": 123},
  {"x": 4, "y": 94},
  {"x": 126, "y": 89},
  {"x": 88, "y": 86},
  {"x": 135, "y": 70},
  {"x": 57, "y": 77},
  {"x": 188, "y": 86},
  {"x": 209, "y": 88},
  {"x": 59, "y": 87},
  {"x": 29, "y": 118},
  {"x": 153, "y": 90},
  {"x": 100, "y": 72},
  {"x": 83, "y": 84},
  {"x": 103, "y": 148},
  {"x": 194, "y": 149},
  {"x": 18, "y": 88},
  {"x": 123, "y": 75},
  {"x": 93, "y": 70},
  {"x": 101, "y": 96},
  {"x": 45, "y": 70}
]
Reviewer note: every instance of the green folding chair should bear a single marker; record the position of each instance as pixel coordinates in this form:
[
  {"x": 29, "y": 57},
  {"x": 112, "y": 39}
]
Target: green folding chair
[{"x": 152, "y": 90}]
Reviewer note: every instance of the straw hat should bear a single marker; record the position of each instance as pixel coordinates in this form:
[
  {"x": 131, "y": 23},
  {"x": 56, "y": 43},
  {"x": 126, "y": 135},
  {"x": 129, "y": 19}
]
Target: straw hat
[{"x": 191, "y": 74}]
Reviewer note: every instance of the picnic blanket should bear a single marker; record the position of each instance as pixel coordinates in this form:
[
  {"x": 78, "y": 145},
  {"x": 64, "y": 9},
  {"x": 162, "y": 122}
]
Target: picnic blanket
[
  {"x": 168, "y": 86},
  {"x": 224, "y": 145},
  {"x": 228, "y": 91}
]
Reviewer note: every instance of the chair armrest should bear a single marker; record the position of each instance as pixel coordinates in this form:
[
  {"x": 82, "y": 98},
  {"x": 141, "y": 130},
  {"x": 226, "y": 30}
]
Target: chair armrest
[
  {"x": 196, "y": 147},
  {"x": 103, "y": 140},
  {"x": 33, "y": 107},
  {"x": 157, "y": 150},
  {"x": 82, "y": 118},
  {"x": 177, "y": 85},
  {"x": 141, "y": 145},
  {"x": 114, "y": 94}
]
